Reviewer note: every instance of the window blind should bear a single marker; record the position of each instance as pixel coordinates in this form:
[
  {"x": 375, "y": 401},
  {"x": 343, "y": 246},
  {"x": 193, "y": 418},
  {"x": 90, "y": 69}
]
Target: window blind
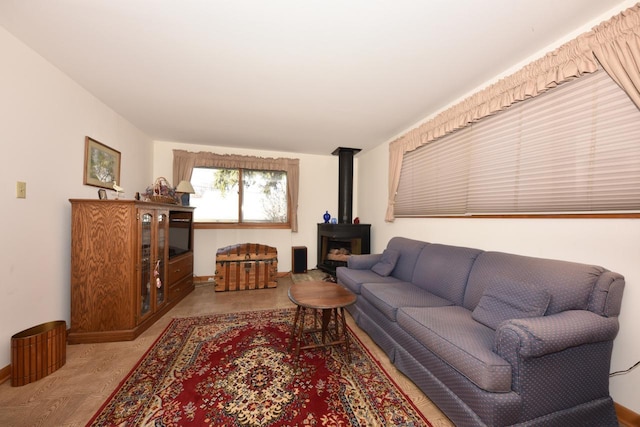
[{"x": 574, "y": 149}]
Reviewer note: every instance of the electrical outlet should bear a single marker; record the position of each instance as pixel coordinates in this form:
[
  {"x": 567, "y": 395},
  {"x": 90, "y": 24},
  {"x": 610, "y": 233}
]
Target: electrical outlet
[{"x": 21, "y": 190}]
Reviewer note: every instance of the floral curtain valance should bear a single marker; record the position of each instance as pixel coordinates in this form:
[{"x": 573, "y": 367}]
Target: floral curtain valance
[{"x": 614, "y": 45}]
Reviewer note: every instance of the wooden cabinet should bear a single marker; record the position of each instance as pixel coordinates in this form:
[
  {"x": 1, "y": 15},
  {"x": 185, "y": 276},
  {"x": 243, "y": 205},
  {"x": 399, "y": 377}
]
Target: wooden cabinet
[
  {"x": 130, "y": 263},
  {"x": 180, "y": 276}
]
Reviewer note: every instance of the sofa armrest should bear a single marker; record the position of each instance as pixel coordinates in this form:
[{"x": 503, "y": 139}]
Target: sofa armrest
[
  {"x": 537, "y": 336},
  {"x": 363, "y": 262},
  {"x": 549, "y": 353}
]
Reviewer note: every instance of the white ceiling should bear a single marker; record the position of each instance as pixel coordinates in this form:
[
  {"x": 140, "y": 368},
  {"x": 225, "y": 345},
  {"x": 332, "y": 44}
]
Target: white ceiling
[{"x": 287, "y": 75}]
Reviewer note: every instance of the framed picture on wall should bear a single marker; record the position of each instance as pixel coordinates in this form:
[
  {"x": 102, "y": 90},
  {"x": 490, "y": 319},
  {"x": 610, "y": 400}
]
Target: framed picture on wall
[{"x": 101, "y": 164}]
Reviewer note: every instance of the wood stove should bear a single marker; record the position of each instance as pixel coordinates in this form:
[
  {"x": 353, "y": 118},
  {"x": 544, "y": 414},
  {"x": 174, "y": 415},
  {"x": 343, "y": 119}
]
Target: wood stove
[{"x": 337, "y": 241}]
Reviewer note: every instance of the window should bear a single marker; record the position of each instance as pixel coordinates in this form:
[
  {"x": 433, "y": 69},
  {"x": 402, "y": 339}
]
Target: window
[
  {"x": 571, "y": 150},
  {"x": 273, "y": 196},
  {"x": 242, "y": 196}
]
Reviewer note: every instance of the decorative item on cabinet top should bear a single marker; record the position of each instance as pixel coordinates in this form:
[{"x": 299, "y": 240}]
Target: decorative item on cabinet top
[
  {"x": 161, "y": 192},
  {"x": 184, "y": 189}
]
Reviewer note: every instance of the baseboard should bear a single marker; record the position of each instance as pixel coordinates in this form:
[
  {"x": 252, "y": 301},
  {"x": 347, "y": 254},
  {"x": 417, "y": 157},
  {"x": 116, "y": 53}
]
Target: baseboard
[
  {"x": 201, "y": 280},
  {"x": 5, "y": 373},
  {"x": 626, "y": 417}
]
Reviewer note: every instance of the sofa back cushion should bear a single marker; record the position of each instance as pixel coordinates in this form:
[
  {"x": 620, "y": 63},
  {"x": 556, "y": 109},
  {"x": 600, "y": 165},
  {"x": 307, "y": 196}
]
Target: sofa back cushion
[
  {"x": 409, "y": 250},
  {"x": 570, "y": 285},
  {"x": 443, "y": 270}
]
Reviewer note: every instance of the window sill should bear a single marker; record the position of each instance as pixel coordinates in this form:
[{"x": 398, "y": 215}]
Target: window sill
[{"x": 232, "y": 225}]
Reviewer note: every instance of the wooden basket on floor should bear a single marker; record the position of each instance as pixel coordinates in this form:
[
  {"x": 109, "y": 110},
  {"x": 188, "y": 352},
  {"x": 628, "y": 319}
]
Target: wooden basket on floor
[{"x": 37, "y": 352}]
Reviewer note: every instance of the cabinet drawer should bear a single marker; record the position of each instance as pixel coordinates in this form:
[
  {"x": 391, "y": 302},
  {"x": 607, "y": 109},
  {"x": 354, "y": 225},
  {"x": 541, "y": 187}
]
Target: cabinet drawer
[
  {"x": 181, "y": 267},
  {"x": 179, "y": 288}
]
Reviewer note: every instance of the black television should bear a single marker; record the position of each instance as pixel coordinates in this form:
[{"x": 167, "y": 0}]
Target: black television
[{"x": 180, "y": 233}]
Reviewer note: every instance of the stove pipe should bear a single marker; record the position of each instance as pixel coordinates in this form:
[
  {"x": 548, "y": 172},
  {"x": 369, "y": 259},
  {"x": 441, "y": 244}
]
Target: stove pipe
[{"x": 345, "y": 183}]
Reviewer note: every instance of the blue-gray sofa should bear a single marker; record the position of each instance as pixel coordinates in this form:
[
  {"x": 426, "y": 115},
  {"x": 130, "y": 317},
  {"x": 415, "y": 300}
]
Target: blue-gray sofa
[{"x": 493, "y": 339}]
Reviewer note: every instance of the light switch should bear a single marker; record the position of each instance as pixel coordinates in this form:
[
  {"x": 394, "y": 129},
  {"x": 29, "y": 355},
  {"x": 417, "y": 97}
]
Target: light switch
[{"x": 21, "y": 190}]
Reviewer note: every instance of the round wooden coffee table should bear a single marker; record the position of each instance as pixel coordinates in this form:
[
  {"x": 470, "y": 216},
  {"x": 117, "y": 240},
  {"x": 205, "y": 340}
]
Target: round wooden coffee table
[{"x": 329, "y": 297}]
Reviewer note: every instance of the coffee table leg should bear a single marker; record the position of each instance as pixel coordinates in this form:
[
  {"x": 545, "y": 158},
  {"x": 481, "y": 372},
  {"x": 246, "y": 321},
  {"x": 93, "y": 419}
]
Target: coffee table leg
[
  {"x": 345, "y": 335},
  {"x": 293, "y": 328},
  {"x": 326, "y": 318},
  {"x": 300, "y": 331}
]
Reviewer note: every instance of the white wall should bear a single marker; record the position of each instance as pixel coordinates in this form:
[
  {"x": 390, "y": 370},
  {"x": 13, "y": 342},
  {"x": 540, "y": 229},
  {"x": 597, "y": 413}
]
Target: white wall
[
  {"x": 611, "y": 243},
  {"x": 318, "y": 193},
  {"x": 45, "y": 118}
]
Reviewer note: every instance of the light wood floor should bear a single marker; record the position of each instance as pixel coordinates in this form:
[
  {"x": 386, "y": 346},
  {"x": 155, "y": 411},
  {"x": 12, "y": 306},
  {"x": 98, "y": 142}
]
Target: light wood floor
[{"x": 71, "y": 395}]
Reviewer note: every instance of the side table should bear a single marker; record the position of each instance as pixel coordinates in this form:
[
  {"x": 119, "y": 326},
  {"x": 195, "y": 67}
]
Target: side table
[{"x": 331, "y": 299}]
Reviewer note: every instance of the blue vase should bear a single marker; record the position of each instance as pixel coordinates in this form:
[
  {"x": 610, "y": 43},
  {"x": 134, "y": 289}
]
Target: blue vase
[{"x": 326, "y": 217}]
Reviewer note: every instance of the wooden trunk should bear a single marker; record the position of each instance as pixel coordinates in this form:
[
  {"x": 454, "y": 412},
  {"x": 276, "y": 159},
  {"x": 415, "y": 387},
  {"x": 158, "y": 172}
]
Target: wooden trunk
[{"x": 246, "y": 266}]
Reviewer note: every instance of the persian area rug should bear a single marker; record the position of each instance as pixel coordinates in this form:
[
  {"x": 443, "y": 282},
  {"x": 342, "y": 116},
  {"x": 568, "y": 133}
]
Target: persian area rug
[{"x": 236, "y": 370}]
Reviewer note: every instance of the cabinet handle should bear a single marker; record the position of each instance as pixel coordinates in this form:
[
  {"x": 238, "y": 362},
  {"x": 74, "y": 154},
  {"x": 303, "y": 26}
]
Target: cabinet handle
[{"x": 177, "y": 270}]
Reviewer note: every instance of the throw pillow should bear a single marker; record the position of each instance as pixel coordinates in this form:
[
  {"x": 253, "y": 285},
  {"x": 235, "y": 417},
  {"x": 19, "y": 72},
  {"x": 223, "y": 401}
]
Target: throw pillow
[
  {"x": 387, "y": 263},
  {"x": 504, "y": 300}
]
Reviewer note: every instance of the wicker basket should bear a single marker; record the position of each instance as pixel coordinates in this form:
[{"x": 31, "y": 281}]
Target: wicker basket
[
  {"x": 162, "y": 192},
  {"x": 163, "y": 199}
]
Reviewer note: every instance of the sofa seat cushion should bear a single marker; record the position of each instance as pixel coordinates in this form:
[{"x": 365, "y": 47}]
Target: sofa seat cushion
[
  {"x": 353, "y": 279},
  {"x": 461, "y": 342},
  {"x": 388, "y": 297}
]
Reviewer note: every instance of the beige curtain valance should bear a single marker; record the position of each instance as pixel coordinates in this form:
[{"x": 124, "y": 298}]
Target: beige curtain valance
[
  {"x": 614, "y": 45},
  {"x": 185, "y": 161}
]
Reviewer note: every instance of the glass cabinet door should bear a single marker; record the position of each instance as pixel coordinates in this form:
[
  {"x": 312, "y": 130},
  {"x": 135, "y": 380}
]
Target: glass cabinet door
[
  {"x": 160, "y": 266},
  {"x": 146, "y": 261},
  {"x": 153, "y": 229}
]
